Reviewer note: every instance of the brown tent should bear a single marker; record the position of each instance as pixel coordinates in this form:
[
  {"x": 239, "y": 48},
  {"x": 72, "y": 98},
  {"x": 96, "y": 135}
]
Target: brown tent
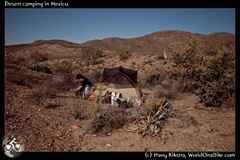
[{"x": 121, "y": 80}]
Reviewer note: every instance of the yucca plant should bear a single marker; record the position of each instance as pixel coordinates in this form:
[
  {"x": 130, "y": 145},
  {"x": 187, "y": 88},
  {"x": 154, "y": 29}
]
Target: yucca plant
[{"x": 158, "y": 110}]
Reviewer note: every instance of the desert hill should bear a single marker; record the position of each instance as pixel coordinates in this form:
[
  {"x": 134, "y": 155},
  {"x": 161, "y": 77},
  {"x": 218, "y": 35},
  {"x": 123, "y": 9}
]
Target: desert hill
[{"x": 153, "y": 44}]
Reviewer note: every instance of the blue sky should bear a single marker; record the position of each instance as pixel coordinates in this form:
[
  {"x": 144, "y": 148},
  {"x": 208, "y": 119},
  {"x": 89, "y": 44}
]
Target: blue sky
[{"x": 25, "y": 25}]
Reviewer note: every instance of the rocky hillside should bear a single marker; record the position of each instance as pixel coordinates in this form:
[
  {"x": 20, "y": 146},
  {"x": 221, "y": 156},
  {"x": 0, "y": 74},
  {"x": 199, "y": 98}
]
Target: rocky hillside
[{"x": 155, "y": 43}]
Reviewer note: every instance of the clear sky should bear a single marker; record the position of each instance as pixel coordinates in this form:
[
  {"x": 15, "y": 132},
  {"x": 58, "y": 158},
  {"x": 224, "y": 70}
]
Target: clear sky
[{"x": 25, "y": 25}]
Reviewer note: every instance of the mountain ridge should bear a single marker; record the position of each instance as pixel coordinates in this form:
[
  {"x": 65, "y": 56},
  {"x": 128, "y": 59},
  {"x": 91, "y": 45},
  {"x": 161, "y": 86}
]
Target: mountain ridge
[{"x": 153, "y": 43}]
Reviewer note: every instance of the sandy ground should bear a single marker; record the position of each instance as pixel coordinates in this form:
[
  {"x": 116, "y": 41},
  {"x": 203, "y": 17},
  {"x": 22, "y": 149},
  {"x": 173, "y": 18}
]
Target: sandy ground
[{"x": 196, "y": 128}]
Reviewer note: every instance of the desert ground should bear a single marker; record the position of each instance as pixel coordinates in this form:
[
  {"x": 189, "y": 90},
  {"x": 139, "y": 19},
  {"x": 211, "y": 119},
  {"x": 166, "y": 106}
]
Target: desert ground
[
  {"x": 188, "y": 94},
  {"x": 63, "y": 123}
]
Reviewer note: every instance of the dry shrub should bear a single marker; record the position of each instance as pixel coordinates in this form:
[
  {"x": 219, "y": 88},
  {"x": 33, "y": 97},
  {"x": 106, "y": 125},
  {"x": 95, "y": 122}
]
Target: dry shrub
[
  {"x": 21, "y": 78},
  {"x": 167, "y": 88},
  {"x": 15, "y": 60},
  {"x": 43, "y": 97},
  {"x": 212, "y": 75},
  {"x": 185, "y": 119},
  {"x": 39, "y": 95},
  {"x": 170, "y": 88},
  {"x": 152, "y": 77},
  {"x": 109, "y": 120},
  {"x": 63, "y": 68},
  {"x": 185, "y": 85},
  {"x": 52, "y": 86},
  {"x": 123, "y": 54},
  {"x": 81, "y": 110},
  {"x": 95, "y": 75},
  {"x": 91, "y": 56},
  {"x": 60, "y": 82},
  {"x": 217, "y": 83},
  {"x": 39, "y": 57},
  {"x": 44, "y": 91},
  {"x": 17, "y": 78}
]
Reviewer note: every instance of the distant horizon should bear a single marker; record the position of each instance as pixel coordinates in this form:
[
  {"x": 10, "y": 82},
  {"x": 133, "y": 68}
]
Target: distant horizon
[
  {"x": 111, "y": 37},
  {"x": 79, "y": 25}
]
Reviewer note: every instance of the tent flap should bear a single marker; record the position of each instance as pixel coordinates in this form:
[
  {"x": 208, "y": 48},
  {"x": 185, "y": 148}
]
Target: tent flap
[{"x": 131, "y": 74}]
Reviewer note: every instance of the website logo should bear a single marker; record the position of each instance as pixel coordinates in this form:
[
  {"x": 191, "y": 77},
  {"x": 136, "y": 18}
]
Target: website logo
[{"x": 13, "y": 145}]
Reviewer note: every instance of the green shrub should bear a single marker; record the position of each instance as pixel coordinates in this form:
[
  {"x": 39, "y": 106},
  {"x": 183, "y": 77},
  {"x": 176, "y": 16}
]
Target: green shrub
[
  {"x": 217, "y": 83},
  {"x": 36, "y": 66},
  {"x": 214, "y": 80}
]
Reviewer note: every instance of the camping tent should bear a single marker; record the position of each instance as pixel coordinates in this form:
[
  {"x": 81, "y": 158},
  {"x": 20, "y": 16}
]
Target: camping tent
[{"x": 123, "y": 81}]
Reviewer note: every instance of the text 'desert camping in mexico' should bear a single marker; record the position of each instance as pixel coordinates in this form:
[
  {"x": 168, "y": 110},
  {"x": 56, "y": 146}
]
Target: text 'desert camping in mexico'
[{"x": 36, "y": 4}]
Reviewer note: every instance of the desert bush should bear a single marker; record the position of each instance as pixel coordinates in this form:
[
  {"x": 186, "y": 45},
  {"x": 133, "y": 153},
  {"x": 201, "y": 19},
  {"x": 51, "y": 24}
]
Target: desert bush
[
  {"x": 167, "y": 88},
  {"x": 95, "y": 75},
  {"x": 34, "y": 62},
  {"x": 185, "y": 56},
  {"x": 60, "y": 82},
  {"x": 217, "y": 82},
  {"x": 43, "y": 97},
  {"x": 81, "y": 110},
  {"x": 214, "y": 79},
  {"x": 41, "y": 94},
  {"x": 185, "y": 85},
  {"x": 36, "y": 66},
  {"x": 109, "y": 120},
  {"x": 19, "y": 78},
  {"x": 15, "y": 60},
  {"x": 152, "y": 77},
  {"x": 185, "y": 119},
  {"x": 91, "y": 56},
  {"x": 186, "y": 61},
  {"x": 123, "y": 54},
  {"x": 51, "y": 88},
  {"x": 141, "y": 80},
  {"x": 39, "y": 57},
  {"x": 155, "y": 75},
  {"x": 63, "y": 68}
]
